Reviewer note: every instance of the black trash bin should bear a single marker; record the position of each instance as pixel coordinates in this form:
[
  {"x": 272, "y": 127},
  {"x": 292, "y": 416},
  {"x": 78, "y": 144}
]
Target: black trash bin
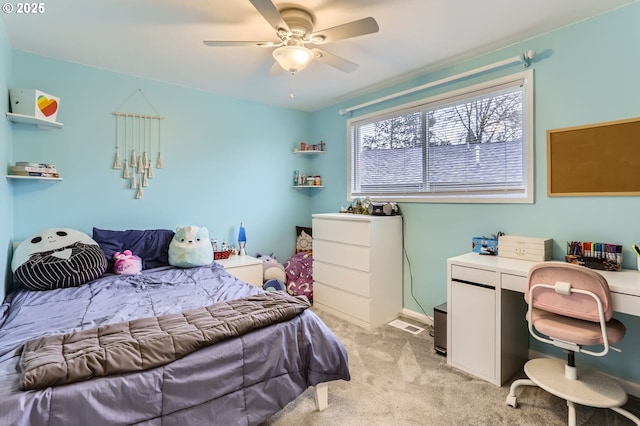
[{"x": 440, "y": 329}]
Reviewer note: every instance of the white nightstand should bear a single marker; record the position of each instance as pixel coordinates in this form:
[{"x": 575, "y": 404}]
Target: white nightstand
[{"x": 245, "y": 268}]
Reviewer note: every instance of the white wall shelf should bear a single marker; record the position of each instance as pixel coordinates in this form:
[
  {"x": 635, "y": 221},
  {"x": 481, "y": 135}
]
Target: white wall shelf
[
  {"x": 41, "y": 178},
  {"x": 308, "y": 151},
  {"x": 26, "y": 119}
]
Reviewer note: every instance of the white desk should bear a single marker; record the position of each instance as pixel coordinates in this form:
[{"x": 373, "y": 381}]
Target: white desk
[{"x": 490, "y": 338}]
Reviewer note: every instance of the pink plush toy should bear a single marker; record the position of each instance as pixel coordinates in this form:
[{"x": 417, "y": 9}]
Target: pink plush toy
[{"x": 126, "y": 263}]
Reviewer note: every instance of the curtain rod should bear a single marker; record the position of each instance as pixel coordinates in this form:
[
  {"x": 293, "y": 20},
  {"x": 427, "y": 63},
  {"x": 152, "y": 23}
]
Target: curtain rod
[{"x": 524, "y": 58}]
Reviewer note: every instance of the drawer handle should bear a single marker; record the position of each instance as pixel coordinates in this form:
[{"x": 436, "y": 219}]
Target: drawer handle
[{"x": 490, "y": 287}]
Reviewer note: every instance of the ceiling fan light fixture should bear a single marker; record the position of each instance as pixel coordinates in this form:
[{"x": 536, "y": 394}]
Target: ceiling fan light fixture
[{"x": 293, "y": 58}]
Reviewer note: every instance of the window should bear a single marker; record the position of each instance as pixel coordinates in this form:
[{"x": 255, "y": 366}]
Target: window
[{"x": 471, "y": 145}]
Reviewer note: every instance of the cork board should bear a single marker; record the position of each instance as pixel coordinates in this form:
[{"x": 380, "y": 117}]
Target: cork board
[{"x": 597, "y": 159}]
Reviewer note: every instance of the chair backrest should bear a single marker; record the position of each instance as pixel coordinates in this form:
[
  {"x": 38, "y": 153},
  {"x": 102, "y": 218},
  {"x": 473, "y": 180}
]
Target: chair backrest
[{"x": 576, "y": 305}]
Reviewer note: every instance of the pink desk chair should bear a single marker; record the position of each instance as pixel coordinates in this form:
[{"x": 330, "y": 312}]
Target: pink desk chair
[{"x": 570, "y": 307}]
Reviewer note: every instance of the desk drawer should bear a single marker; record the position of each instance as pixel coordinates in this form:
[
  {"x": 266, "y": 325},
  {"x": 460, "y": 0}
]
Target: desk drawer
[
  {"x": 513, "y": 282},
  {"x": 625, "y": 303},
  {"x": 473, "y": 275},
  {"x": 339, "y": 277}
]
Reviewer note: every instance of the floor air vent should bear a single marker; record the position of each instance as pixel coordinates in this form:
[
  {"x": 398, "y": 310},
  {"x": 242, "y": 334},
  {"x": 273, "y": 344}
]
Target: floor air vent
[{"x": 405, "y": 326}]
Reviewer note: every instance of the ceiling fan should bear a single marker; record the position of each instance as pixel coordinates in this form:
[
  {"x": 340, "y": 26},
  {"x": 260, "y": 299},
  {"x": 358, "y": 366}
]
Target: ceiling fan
[{"x": 294, "y": 29}]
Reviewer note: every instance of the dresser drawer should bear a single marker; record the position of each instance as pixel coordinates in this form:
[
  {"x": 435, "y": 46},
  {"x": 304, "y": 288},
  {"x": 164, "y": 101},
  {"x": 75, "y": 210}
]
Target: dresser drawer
[
  {"x": 350, "y": 280},
  {"x": 349, "y": 256},
  {"x": 351, "y": 304},
  {"x": 350, "y": 232}
]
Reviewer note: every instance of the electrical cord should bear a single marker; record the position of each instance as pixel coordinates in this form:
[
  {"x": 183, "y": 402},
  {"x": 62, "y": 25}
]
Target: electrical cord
[{"x": 406, "y": 256}]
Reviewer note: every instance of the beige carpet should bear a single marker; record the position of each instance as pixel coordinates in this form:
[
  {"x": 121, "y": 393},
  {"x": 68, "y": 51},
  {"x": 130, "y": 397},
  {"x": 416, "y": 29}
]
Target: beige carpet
[{"x": 397, "y": 379}]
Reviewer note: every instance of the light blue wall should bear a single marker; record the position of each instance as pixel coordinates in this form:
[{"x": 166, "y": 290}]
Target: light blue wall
[
  {"x": 229, "y": 160},
  {"x": 586, "y": 73},
  {"x": 225, "y": 160},
  {"x": 6, "y": 198}
]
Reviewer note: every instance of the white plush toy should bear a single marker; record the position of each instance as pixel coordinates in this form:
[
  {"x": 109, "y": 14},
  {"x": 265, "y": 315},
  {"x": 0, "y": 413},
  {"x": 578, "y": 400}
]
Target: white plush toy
[
  {"x": 190, "y": 247},
  {"x": 271, "y": 269}
]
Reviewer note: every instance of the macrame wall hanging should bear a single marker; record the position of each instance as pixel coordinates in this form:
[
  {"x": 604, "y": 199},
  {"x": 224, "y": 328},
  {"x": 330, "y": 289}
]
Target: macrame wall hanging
[{"x": 139, "y": 138}]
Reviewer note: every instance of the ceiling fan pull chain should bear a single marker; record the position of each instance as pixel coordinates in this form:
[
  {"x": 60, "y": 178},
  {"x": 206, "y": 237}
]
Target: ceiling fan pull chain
[{"x": 291, "y": 95}]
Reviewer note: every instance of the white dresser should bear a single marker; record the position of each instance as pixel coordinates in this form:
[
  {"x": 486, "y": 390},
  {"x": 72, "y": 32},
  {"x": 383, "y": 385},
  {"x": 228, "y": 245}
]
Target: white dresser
[{"x": 357, "y": 267}]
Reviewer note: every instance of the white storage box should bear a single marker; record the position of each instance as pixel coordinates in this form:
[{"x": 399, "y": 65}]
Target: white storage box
[
  {"x": 34, "y": 103},
  {"x": 525, "y": 248}
]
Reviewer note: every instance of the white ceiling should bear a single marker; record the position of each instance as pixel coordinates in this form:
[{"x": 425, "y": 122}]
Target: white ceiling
[{"x": 162, "y": 40}]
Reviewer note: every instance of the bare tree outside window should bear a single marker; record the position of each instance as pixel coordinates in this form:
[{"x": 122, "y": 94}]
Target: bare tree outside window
[
  {"x": 398, "y": 132},
  {"x": 472, "y": 143},
  {"x": 492, "y": 119}
]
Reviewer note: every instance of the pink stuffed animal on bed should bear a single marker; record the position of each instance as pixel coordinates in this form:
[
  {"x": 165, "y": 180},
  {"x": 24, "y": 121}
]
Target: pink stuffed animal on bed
[{"x": 126, "y": 263}]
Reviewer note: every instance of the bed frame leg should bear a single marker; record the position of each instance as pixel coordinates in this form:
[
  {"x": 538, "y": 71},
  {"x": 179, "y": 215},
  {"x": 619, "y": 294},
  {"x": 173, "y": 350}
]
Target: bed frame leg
[{"x": 322, "y": 396}]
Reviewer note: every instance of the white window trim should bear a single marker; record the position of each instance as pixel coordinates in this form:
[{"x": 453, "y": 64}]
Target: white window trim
[{"x": 528, "y": 149}]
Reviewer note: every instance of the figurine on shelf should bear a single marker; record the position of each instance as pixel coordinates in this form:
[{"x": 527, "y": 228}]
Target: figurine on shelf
[{"x": 358, "y": 208}]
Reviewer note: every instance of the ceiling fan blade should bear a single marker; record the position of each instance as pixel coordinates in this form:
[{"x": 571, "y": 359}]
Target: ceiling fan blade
[
  {"x": 222, "y": 43},
  {"x": 334, "y": 61},
  {"x": 269, "y": 12},
  {"x": 351, "y": 29}
]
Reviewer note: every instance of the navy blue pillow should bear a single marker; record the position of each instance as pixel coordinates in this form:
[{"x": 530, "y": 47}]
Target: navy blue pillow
[{"x": 151, "y": 245}]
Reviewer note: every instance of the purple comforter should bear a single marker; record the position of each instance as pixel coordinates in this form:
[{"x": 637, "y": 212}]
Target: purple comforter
[{"x": 239, "y": 381}]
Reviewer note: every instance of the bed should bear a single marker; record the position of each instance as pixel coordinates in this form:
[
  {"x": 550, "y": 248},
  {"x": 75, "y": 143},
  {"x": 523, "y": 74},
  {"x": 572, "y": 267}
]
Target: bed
[{"x": 241, "y": 381}]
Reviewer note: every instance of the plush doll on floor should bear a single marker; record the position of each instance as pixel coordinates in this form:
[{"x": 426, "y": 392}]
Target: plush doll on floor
[
  {"x": 273, "y": 285},
  {"x": 299, "y": 270},
  {"x": 272, "y": 271}
]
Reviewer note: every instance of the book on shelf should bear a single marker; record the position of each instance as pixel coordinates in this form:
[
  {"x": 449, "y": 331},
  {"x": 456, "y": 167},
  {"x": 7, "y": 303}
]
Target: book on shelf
[
  {"x": 34, "y": 174},
  {"x": 33, "y": 164},
  {"x": 38, "y": 169}
]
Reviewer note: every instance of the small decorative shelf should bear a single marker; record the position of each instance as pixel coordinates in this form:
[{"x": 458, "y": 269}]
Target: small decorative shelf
[
  {"x": 308, "y": 151},
  {"x": 50, "y": 179},
  {"x": 308, "y": 186},
  {"x": 26, "y": 119}
]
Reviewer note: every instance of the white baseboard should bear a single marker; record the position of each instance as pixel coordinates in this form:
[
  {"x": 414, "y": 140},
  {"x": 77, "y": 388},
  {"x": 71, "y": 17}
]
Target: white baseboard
[
  {"x": 417, "y": 316},
  {"x": 630, "y": 388}
]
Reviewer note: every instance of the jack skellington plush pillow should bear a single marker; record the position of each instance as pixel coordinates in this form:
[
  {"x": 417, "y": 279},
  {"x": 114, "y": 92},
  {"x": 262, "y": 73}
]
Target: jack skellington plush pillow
[{"x": 57, "y": 258}]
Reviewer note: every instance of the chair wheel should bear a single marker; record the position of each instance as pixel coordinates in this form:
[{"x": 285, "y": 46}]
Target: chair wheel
[{"x": 511, "y": 400}]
